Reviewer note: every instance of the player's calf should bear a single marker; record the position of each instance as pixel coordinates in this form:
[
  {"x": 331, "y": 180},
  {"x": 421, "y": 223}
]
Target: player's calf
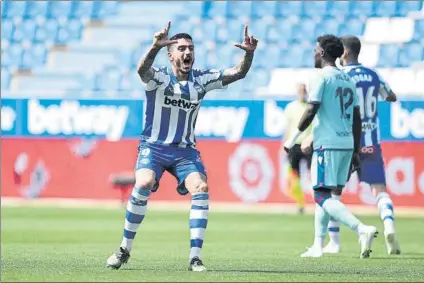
[
  {"x": 197, "y": 186},
  {"x": 386, "y": 212},
  {"x": 136, "y": 210}
]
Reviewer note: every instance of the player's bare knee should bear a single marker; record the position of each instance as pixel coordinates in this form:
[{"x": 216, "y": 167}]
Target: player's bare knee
[
  {"x": 378, "y": 188},
  {"x": 145, "y": 179},
  {"x": 202, "y": 187}
]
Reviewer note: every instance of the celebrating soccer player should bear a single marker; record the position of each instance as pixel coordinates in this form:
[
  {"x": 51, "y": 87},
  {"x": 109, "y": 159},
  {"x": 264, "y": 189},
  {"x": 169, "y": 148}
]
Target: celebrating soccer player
[
  {"x": 369, "y": 85},
  {"x": 173, "y": 97},
  {"x": 337, "y": 131}
]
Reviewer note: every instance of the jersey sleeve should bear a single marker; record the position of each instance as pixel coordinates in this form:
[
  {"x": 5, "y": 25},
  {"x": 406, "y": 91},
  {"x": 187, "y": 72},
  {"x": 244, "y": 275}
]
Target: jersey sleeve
[
  {"x": 384, "y": 87},
  {"x": 355, "y": 96},
  {"x": 316, "y": 89},
  {"x": 211, "y": 79},
  {"x": 158, "y": 79}
]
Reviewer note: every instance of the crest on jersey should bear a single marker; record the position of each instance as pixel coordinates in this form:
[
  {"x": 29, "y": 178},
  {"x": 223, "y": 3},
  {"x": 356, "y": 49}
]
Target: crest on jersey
[{"x": 145, "y": 151}]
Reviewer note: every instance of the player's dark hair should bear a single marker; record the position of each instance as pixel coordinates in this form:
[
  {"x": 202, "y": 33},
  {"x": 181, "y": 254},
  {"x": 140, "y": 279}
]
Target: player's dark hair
[
  {"x": 332, "y": 46},
  {"x": 179, "y": 36},
  {"x": 352, "y": 43}
]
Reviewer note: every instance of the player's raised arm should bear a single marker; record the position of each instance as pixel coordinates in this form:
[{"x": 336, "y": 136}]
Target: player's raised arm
[
  {"x": 160, "y": 39},
  {"x": 238, "y": 72}
]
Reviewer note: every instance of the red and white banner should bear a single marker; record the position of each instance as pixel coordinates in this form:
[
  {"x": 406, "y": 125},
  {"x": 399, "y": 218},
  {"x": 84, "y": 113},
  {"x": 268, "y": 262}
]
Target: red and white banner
[{"x": 243, "y": 172}]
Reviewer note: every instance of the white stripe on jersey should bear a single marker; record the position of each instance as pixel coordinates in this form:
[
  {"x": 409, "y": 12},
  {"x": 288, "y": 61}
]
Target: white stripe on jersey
[
  {"x": 368, "y": 136},
  {"x": 157, "y": 116},
  {"x": 173, "y": 120},
  {"x": 192, "y": 123}
]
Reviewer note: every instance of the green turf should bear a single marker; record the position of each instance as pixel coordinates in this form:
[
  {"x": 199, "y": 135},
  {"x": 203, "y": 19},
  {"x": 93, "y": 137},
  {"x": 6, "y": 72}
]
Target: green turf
[{"x": 41, "y": 244}]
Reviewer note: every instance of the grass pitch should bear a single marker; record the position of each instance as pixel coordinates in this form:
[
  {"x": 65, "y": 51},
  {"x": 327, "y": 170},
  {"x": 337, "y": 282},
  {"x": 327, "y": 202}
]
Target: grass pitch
[{"x": 46, "y": 244}]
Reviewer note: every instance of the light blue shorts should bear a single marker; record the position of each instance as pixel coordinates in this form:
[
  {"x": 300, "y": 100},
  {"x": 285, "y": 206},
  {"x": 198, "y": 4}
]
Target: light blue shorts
[{"x": 330, "y": 168}]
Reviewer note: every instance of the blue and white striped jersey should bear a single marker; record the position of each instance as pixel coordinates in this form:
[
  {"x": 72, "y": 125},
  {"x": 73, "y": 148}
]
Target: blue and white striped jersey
[
  {"x": 172, "y": 106},
  {"x": 369, "y": 85}
]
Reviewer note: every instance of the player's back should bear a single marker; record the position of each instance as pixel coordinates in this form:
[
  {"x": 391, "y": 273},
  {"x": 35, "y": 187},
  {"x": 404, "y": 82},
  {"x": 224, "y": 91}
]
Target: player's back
[
  {"x": 337, "y": 97},
  {"x": 369, "y": 85}
]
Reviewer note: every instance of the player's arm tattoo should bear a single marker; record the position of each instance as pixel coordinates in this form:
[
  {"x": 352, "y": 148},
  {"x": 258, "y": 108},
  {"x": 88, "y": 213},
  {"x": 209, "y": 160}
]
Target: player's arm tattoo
[
  {"x": 144, "y": 67},
  {"x": 356, "y": 129},
  {"x": 238, "y": 72},
  {"x": 308, "y": 116}
]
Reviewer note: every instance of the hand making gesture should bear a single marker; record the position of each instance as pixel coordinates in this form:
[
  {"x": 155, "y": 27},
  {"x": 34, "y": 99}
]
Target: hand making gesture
[
  {"x": 249, "y": 42},
  {"x": 160, "y": 38}
]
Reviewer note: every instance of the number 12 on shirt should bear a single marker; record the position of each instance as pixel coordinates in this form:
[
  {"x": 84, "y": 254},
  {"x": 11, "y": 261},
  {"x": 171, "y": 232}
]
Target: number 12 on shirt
[{"x": 345, "y": 96}]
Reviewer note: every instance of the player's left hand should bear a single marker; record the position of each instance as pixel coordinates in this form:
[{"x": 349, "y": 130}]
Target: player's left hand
[{"x": 249, "y": 42}]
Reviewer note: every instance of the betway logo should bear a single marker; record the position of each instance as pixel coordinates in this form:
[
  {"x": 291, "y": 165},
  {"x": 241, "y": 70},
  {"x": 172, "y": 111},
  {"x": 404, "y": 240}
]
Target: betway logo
[
  {"x": 182, "y": 103},
  {"x": 404, "y": 123},
  {"x": 8, "y": 117},
  {"x": 222, "y": 121},
  {"x": 71, "y": 118}
]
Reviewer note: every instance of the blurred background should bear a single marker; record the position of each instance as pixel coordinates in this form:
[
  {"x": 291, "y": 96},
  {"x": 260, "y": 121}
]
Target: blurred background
[{"x": 72, "y": 103}]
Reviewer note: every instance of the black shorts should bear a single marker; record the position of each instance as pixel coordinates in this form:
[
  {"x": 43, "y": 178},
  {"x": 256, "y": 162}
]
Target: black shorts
[{"x": 296, "y": 155}]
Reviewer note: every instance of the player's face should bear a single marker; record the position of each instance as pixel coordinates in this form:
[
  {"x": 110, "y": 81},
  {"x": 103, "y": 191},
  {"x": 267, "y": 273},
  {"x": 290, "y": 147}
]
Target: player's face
[
  {"x": 318, "y": 53},
  {"x": 182, "y": 55}
]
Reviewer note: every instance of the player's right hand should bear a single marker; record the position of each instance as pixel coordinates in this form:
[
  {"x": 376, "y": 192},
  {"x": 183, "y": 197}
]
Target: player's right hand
[{"x": 160, "y": 38}]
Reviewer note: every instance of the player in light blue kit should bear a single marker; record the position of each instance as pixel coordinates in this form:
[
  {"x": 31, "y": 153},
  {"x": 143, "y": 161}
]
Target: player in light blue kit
[
  {"x": 173, "y": 97},
  {"x": 369, "y": 86},
  {"x": 333, "y": 109}
]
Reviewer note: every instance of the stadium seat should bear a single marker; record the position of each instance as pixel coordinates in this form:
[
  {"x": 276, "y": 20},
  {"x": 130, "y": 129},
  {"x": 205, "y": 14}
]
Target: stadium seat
[
  {"x": 338, "y": 8},
  {"x": 239, "y": 9},
  {"x": 404, "y": 7},
  {"x": 389, "y": 56},
  {"x": 261, "y": 9},
  {"x": 33, "y": 56},
  {"x": 59, "y": 9},
  {"x": 217, "y": 9},
  {"x": 12, "y": 56},
  {"x": 386, "y": 8},
  {"x": 258, "y": 27},
  {"x": 361, "y": 8},
  {"x": 7, "y": 29},
  {"x": 81, "y": 9},
  {"x": 14, "y": 9},
  {"x": 25, "y": 31},
  {"x": 419, "y": 30},
  {"x": 315, "y": 8},
  {"x": 328, "y": 25},
  {"x": 102, "y": 9},
  {"x": 46, "y": 32},
  {"x": 352, "y": 26},
  {"x": 231, "y": 32},
  {"x": 292, "y": 57},
  {"x": 71, "y": 31},
  {"x": 285, "y": 29},
  {"x": 305, "y": 30},
  {"x": 288, "y": 8},
  {"x": 36, "y": 9},
  {"x": 411, "y": 52}
]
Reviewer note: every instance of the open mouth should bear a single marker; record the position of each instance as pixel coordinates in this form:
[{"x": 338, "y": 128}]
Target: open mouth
[{"x": 187, "y": 62}]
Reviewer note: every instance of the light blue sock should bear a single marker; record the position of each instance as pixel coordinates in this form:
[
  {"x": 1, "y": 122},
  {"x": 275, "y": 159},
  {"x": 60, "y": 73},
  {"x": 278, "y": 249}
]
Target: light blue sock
[
  {"x": 340, "y": 213},
  {"x": 321, "y": 222}
]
